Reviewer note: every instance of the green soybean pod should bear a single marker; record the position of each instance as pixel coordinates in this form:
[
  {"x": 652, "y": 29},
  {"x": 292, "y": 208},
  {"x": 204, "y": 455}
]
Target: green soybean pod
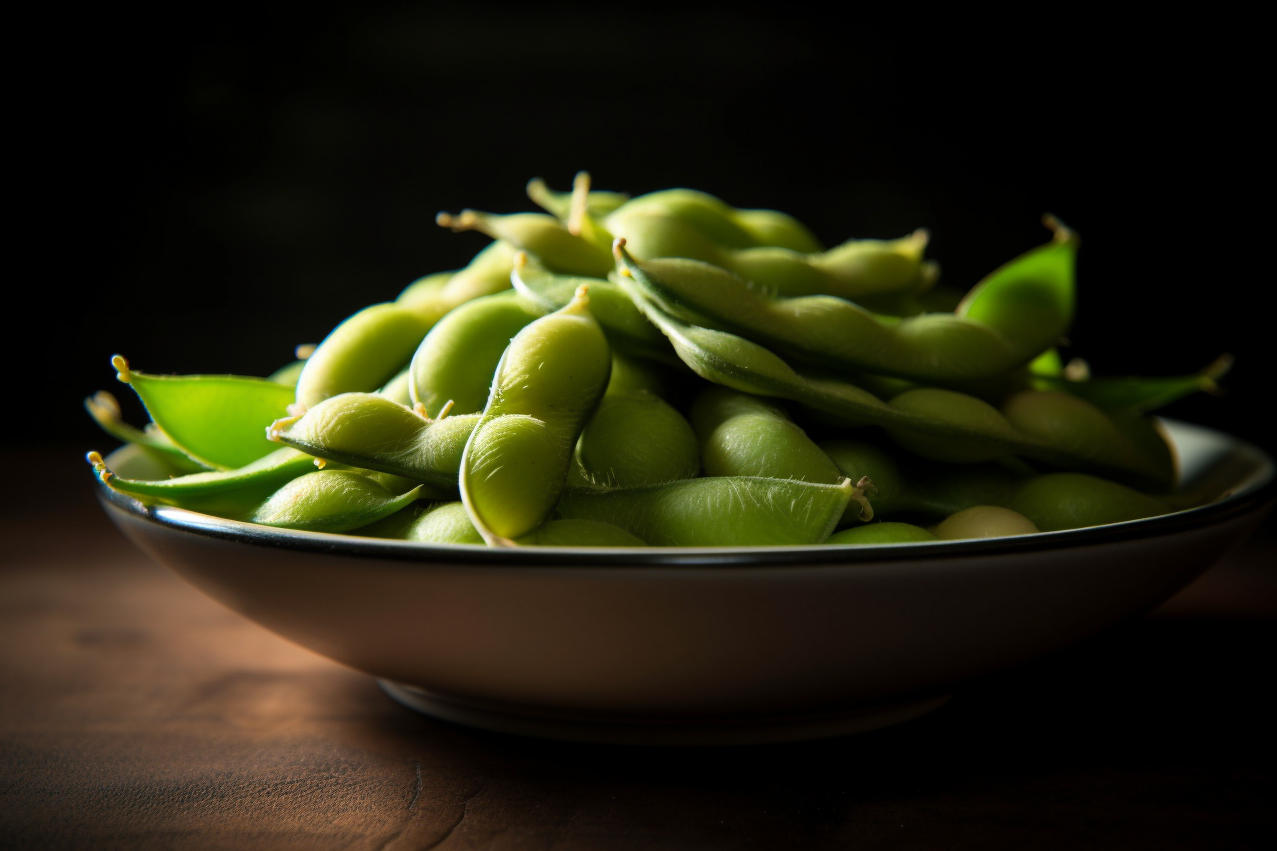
[
  {"x": 548, "y": 383},
  {"x": 457, "y": 358},
  {"x": 332, "y": 501},
  {"x": 634, "y": 439},
  {"x": 363, "y": 353},
  {"x": 372, "y": 432},
  {"x": 539, "y": 234},
  {"x": 719, "y": 512},
  {"x": 1055, "y": 501},
  {"x": 746, "y": 435}
]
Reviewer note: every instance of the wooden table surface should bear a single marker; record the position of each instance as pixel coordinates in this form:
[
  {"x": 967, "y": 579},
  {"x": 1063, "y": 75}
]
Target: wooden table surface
[{"x": 137, "y": 713}]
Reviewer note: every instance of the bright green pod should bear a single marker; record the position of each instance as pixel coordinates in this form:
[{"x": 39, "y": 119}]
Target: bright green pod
[
  {"x": 1030, "y": 300},
  {"x": 539, "y": 234},
  {"x": 104, "y": 409},
  {"x": 456, "y": 360},
  {"x": 332, "y": 501},
  {"x": 548, "y": 383},
  {"x": 437, "y": 523},
  {"x": 372, "y": 432},
  {"x": 362, "y": 353},
  {"x": 718, "y": 512},
  {"x": 888, "y": 532},
  {"x": 218, "y": 420},
  {"x": 226, "y": 493}
]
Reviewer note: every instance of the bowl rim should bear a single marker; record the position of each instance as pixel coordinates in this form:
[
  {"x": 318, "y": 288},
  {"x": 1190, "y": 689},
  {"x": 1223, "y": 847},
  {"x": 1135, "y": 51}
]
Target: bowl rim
[{"x": 1257, "y": 493}]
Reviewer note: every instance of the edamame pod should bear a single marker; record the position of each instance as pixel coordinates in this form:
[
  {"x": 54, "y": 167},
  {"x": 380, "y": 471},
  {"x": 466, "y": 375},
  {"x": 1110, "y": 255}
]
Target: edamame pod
[
  {"x": 632, "y": 440},
  {"x": 104, "y": 409},
  {"x": 932, "y": 421},
  {"x": 745, "y": 435},
  {"x": 218, "y": 420},
  {"x": 548, "y": 383},
  {"x": 362, "y": 353},
  {"x": 227, "y": 493},
  {"x": 835, "y": 333},
  {"x": 459, "y": 355},
  {"x": 719, "y": 512},
  {"x": 541, "y": 235},
  {"x": 370, "y": 431},
  {"x": 332, "y": 501}
]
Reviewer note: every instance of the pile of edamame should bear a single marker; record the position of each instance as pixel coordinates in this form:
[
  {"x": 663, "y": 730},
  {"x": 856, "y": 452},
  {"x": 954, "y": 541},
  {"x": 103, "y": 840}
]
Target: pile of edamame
[{"x": 669, "y": 370}]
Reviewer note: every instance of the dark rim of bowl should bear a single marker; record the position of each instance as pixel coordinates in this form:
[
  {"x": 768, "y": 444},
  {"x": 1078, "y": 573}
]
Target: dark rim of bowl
[{"x": 1254, "y": 498}]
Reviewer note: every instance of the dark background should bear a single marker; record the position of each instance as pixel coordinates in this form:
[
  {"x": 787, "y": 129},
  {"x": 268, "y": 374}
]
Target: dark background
[{"x": 212, "y": 189}]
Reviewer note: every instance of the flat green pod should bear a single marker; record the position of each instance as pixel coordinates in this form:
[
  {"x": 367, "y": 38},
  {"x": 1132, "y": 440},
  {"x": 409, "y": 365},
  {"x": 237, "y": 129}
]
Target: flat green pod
[
  {"x": 226, "y": 493},
  {"x": 219, "y": 420},
  {"x": 104, "y": 409}
]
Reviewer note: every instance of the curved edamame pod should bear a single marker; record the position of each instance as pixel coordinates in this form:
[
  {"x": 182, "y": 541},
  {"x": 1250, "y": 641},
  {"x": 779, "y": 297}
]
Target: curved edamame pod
[
  {"x": 719, "y": 511},
  {"x": 549, "y": 381},
  {"x": 834, "y": 332},
  {"x": 372, "y": 432},
  {"x": 938, "y": 424},
  {"x": 858, "y": 269}
]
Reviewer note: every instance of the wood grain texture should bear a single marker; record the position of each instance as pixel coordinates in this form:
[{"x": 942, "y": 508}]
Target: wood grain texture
[{"x": 136, "y": 713}]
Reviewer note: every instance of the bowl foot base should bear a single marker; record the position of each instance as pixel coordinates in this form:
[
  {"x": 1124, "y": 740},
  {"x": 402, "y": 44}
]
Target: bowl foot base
[{"x": 601, "y": 728}]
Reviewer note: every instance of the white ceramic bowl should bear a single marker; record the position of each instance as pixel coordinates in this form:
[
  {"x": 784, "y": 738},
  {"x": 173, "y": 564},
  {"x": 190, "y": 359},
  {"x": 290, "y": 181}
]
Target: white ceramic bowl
[{"x": 703, "y": 646}]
